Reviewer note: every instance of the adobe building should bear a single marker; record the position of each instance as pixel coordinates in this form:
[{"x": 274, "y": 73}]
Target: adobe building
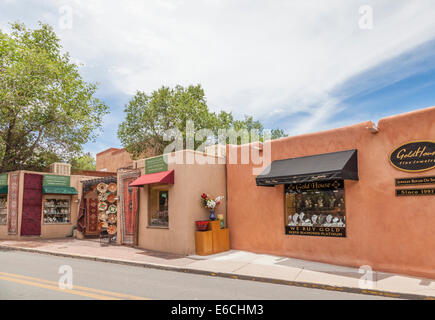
[
  {"x": 352, "y": 196},
  {"x": 41, "y": 204},
  {"x": 159, "y": 200},
  {"x": 112, "y": 159}
]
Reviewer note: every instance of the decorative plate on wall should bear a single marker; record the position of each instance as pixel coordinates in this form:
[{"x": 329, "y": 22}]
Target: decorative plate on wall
[
  {"x": 102, "y": 196},
  {"x": 102, "y": 206},
  {"x": 112, "y": 229},
  {"x": 103, "y": 216},
  {"x": 102, "y": 187},
  {"x": 112, "y": 187},
  {"x": 111, "y": 198},
  {"x": 112, "y": 218},
  {"x": 112, "y": 208}
]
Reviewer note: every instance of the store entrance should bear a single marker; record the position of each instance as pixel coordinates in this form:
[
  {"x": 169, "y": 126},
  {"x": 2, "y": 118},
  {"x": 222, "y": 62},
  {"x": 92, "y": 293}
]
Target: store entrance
[
  {"x": 129, "y": 211},
  {"x": 99, "y": 208}
]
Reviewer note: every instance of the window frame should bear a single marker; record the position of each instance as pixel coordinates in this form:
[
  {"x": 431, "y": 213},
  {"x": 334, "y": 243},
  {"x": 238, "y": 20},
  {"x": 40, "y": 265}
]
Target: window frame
[
  {"x": 157, "y": 188},
  {"x": 49, "y": 197},
  {"x": 332, "y": 229}
]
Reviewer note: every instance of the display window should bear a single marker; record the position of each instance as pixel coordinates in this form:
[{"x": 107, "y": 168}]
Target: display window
[
  {"x": 158, "y": 209},
  {"x": 3, "y": 209},
  {"x": 315, "y": 209},
  {"x": 57, "y": 209}
]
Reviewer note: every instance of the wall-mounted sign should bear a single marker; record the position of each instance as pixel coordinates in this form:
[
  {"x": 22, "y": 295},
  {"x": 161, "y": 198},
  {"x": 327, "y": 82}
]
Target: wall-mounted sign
[
  {"x": 3, "y": 179},
  {"x": 56, "y": 181},
  {"x": 315, "y": 186},
  {"x": 414, "y": 156},
  {"x": 156, "y": 164},
  {"x": 415, "y": 192},
  {"x": 414, "y": 181}
]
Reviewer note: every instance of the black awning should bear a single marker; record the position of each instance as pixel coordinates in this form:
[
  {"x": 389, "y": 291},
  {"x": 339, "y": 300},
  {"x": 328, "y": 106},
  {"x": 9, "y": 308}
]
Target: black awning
[{"x": 321, "y": 167}]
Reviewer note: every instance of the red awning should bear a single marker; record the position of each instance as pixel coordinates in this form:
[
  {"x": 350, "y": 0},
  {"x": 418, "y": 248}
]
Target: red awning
[{"x": 166, "y": 177}]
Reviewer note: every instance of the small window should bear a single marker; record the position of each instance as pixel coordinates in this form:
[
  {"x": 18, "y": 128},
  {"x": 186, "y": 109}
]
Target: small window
[
  {"x": 3, "y": 209},
  {"x": 57, "y": 210},
  {"x": 159, "y": 197}
]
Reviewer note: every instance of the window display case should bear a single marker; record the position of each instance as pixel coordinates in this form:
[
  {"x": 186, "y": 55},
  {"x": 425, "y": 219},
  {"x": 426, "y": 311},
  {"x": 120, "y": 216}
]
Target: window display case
[
  {"x": 57, "y": 210},
  {"x": 316, "y": 209},
  {"x": 3, "y": 209}
]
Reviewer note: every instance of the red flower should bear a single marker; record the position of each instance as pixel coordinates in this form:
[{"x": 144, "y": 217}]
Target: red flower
[{"x": 204, "y": 196}]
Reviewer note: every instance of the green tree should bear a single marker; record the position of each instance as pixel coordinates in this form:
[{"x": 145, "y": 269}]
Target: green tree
[
  {"x": 47, "y": 111},
  {"x": 148, "y": 117},
  {"x": 84, "y": 162}
]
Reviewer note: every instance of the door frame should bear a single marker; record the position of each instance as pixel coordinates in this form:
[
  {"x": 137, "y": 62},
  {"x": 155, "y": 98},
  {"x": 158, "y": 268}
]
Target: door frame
[{"x": 128, "y": 240}]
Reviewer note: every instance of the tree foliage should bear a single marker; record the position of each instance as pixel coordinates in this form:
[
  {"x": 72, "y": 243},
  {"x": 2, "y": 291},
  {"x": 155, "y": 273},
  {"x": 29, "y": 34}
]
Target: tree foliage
[
  {"x": 47, "y": 111},
  {"x": 148, "y": 117},
  {"x": 85, "y": 162}
]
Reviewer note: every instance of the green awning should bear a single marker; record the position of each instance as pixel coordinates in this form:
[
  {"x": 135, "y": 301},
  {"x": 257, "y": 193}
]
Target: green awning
[
  {"x": 3, "y": 189},
  {"x": 59, "y": 190}
]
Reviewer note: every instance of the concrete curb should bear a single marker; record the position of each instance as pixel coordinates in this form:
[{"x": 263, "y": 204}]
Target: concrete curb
[{"x": 379, "y": 293}]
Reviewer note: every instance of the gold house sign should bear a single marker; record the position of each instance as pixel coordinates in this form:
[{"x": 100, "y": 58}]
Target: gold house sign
[{"x": 416, "y": 156}]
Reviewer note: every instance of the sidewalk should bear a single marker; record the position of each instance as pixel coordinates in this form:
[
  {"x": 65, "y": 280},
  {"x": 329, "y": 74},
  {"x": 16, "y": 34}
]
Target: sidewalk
[{"x": 239, "y": 265}]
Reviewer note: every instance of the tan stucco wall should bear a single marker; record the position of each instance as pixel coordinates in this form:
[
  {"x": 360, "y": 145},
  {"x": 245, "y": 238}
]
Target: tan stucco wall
[
  {"x": 48, "y": 231},
  {"x": 113, "y": 159},
  {"x": 191, "y": 180},
  {"x": 388, "y": 233}
]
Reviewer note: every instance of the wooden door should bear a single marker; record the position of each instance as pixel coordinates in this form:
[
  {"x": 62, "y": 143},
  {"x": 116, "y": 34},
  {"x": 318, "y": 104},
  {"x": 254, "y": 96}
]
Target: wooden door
[{"x": 129, "y": 213}]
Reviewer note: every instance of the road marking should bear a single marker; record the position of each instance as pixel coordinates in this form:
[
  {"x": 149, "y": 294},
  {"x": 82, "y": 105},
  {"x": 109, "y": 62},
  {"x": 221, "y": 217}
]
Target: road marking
[
  {"x": 45, "y": 286},
  {"x": 53, "y": 285}
]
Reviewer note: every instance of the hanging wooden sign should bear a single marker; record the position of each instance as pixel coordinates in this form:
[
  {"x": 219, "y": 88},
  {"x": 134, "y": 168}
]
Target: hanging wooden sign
[{"x": 414, "y": 156}]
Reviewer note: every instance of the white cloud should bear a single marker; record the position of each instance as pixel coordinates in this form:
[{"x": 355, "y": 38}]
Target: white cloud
[{"x": 252, "y": 57}]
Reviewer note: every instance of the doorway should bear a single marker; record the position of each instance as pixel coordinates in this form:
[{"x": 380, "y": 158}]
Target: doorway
[
  {"x": 129, "y": 208},
  {"x": 32, "y": 205}
]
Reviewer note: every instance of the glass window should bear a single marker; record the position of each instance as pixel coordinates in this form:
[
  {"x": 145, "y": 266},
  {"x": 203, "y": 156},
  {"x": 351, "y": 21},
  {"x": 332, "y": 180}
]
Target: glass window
[
  {"x": 3, "y": 209},
  {"x": 57, "y": 210},
  {"x": 159, "y": 197},
  {"x": 315, "y": 209}
]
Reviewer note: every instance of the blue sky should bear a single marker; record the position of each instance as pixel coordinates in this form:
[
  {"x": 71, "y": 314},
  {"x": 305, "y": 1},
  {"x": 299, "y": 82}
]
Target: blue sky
[{"x": 302, "y": 66}]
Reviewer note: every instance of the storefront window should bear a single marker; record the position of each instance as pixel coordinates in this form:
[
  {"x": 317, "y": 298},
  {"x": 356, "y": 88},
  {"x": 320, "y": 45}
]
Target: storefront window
[
  {"x": 3, "y": 209},
  {"x": 57, "y": 210},
  {"x": 158, "y": 216},
  {"x": 315, "y": 209}
]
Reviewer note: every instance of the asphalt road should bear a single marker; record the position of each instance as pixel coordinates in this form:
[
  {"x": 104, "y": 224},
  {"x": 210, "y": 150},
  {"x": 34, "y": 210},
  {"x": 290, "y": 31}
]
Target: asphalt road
[{"x": 26, "y": 275}]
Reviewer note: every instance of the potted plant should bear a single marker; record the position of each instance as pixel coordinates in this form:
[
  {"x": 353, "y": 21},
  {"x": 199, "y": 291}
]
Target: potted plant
[{"x": 211, "y": 203}]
